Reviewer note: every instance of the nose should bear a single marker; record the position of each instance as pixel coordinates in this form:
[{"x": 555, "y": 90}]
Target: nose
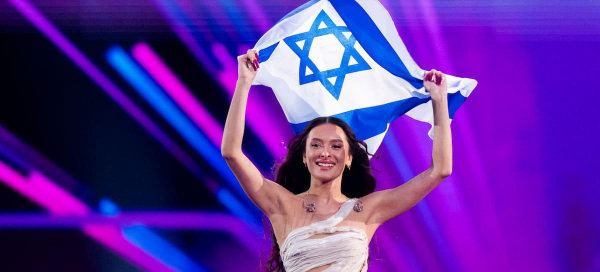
[{"x": 325, "y": 153}]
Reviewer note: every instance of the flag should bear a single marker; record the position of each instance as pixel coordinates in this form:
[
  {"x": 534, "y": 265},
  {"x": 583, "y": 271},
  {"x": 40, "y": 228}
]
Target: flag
[{"x": 344, "y": 58}]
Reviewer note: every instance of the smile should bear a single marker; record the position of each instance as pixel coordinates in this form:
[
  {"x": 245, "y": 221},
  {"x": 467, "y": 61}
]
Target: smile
[{"x": 325, "y": 166}]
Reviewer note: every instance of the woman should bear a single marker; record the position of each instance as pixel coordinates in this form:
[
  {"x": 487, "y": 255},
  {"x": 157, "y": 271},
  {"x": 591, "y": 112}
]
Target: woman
[{"x": 322, "y": 208}]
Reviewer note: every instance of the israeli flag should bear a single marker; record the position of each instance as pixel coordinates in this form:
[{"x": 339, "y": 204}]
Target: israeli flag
[{"x": 344, "y": 58}]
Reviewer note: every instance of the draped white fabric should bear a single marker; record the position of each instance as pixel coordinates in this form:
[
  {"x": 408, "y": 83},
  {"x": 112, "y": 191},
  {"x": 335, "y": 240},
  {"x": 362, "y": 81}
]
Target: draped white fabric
[
  {"x": 346, "y": 248},
  {"x": 344, "y": 58}
]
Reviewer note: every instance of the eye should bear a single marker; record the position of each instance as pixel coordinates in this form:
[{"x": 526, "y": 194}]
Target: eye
[
  {"x": 337, "y": 146},
  {"x": 315, "y": 145}
]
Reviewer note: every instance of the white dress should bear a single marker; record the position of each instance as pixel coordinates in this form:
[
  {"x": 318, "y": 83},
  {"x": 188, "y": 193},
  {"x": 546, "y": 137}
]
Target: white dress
[{"x": 345, "y": 249}]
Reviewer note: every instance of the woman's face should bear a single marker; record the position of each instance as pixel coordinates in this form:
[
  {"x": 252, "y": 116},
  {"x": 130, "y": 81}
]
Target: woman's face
[{"x": 327, "y": 152}]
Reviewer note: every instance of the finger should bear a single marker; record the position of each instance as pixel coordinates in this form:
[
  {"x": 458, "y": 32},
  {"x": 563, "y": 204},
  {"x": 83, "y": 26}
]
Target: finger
[
  {"x": 243, "y": 58},
  {"x": 435, "y": 76},
  {"x": 251, "y": 54},
  {"x": 251, "y": 58},
  {"x": 255, "y": 58},
  {"x": 438, "y": 76},
  {"x": 249, "y": 63},
  {"x": 429, "y": 76}
]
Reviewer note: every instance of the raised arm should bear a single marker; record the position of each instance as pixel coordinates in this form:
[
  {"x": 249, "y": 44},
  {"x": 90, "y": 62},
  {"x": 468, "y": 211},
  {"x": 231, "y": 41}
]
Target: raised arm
[
  {"x": 390, "y": 203},
  {"x": 265, "y": 194}
]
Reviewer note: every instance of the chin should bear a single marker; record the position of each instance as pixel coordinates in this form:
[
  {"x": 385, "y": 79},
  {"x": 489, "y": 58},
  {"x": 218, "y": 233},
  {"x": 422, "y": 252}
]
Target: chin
[{"x": 325, "y": 178}]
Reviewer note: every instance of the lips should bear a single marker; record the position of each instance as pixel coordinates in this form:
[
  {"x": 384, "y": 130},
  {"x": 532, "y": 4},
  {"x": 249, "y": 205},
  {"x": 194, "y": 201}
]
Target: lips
[{"x": 325, "y": 165}]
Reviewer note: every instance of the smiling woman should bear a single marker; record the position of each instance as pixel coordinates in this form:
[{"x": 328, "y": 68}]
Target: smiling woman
[
  {"x": 323, "y": 198},
  {"x": 318, "y": 159}
]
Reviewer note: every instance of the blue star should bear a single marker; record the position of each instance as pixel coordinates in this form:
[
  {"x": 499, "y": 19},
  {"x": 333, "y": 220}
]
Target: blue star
[{"x": 337, "y": 74}]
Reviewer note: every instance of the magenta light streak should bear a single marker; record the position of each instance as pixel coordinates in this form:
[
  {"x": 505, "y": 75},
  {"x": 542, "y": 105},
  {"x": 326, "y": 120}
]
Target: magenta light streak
[
  {"x": 518, "y": 191},
  {"x": 187, "y": 37},
  {"x": 406, "y": 222},
  {"x": 455, "y": 222},
  {"x": 258, "y": 16},
  {"x": 440, "y": 50},
  {"x": 198, "y": 21},
  {"x": 444, "y": 201},
  {"x": 112, "y": 237},
  {"x": 63, "y": 203},
  {"x": 178, "y": 91},
  {"x": 59, "y": 202},
  {"x": 464, "y": 133},
  {"x": 219, "y": 14},
  {"x": 177, "y": 220},
  {"x": 78, "y": 217},
  {"x": 260, "y": 117},
  {"x": 446, "y": 204},
  {"x": 37, "y": 188},
  {"x": 393, "y": 257},
  {"x": 54, "y": 35}
]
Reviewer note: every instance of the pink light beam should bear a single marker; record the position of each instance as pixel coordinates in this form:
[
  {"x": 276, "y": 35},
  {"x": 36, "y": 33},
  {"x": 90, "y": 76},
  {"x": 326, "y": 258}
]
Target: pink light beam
[{"x": 144, "y": 54}]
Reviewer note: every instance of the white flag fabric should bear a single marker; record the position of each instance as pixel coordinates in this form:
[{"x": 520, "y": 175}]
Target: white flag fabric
[{"x": 344, "y": 58}]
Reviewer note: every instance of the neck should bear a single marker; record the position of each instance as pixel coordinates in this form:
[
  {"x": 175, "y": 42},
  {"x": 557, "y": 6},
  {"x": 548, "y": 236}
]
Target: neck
[{"x": 327, "y": 191}]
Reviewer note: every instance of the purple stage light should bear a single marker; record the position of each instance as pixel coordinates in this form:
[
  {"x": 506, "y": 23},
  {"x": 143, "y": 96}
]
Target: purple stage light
[
  {"x": 178, "y": 92},
  {"x": 174, "y": 220},
  {"x": 59, "y": 202},
  {"x": 54, "y": 35},
  {"x": 259, "y": 116},
  {"x": 405, "y": 225},
  {"x": 112, "y": 237},
  {"x": 180, "y": 24},
  {"x": 260, "y": 19},
  {"x": 467, "y": 244},
  {"x": 68, "y": 209},
  {"x": 397, "y": 162}
]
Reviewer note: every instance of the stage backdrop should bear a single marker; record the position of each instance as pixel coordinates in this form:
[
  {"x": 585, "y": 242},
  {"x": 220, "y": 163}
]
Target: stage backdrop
[{"x": 112, "y": 112}]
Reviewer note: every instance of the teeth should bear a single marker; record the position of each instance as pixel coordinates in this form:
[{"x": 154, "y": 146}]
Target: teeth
[{"x": 325, "y": 164}]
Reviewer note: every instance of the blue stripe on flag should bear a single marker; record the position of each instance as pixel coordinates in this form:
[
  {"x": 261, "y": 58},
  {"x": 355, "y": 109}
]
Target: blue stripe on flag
[
  {"x": 454, "y": 102},
  {"x": 372, "y": 40},
  {"x": 361, "y": 120},
  {"x": 265, "y": 53}
]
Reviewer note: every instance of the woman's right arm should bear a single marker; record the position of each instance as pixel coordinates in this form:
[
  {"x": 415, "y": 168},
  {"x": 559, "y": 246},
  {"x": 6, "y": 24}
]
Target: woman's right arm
[{"x": 267, "y": 195}]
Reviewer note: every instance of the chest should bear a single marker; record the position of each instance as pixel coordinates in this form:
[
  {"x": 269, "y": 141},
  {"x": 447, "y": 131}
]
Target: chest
[{"x": 299, "y": 219}]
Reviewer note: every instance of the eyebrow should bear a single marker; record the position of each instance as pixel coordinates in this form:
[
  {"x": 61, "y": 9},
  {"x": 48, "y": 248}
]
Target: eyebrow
[{"x": 334, "y": 140}]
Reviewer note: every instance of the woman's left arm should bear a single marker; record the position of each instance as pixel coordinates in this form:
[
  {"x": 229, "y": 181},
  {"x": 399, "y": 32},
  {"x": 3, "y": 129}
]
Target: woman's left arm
[{"x": 387, "y": 204}]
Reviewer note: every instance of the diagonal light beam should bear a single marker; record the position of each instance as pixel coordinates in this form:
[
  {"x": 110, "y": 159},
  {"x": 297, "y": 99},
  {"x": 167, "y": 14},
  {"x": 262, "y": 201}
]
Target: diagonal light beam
[
  {"x": 258, "y": 116},
  {"x": 69, "y": 49},
  {"x": 21, "y": 169},
  {"x": 179, "y": 92},
  {"x": 57, "y": 201},
  {"x": 154, "y": 95}
]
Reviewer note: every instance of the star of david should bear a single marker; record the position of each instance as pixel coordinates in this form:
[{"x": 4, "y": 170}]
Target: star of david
[{"x": 332, "y": 79}]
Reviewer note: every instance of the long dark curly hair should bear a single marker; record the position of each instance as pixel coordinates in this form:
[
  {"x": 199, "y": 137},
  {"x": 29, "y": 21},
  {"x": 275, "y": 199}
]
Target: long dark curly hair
[{"x": 292, "y": 175}]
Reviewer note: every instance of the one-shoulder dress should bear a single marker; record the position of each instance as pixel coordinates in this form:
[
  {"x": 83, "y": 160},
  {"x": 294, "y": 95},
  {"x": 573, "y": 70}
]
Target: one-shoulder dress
[{"x": 346, "y": 248}]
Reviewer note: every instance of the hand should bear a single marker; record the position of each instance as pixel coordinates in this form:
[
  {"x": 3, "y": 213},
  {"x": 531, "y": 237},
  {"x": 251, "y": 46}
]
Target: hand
[
  {"x": 435, "y": 83},
  {"x": 247, "y": 67}
]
